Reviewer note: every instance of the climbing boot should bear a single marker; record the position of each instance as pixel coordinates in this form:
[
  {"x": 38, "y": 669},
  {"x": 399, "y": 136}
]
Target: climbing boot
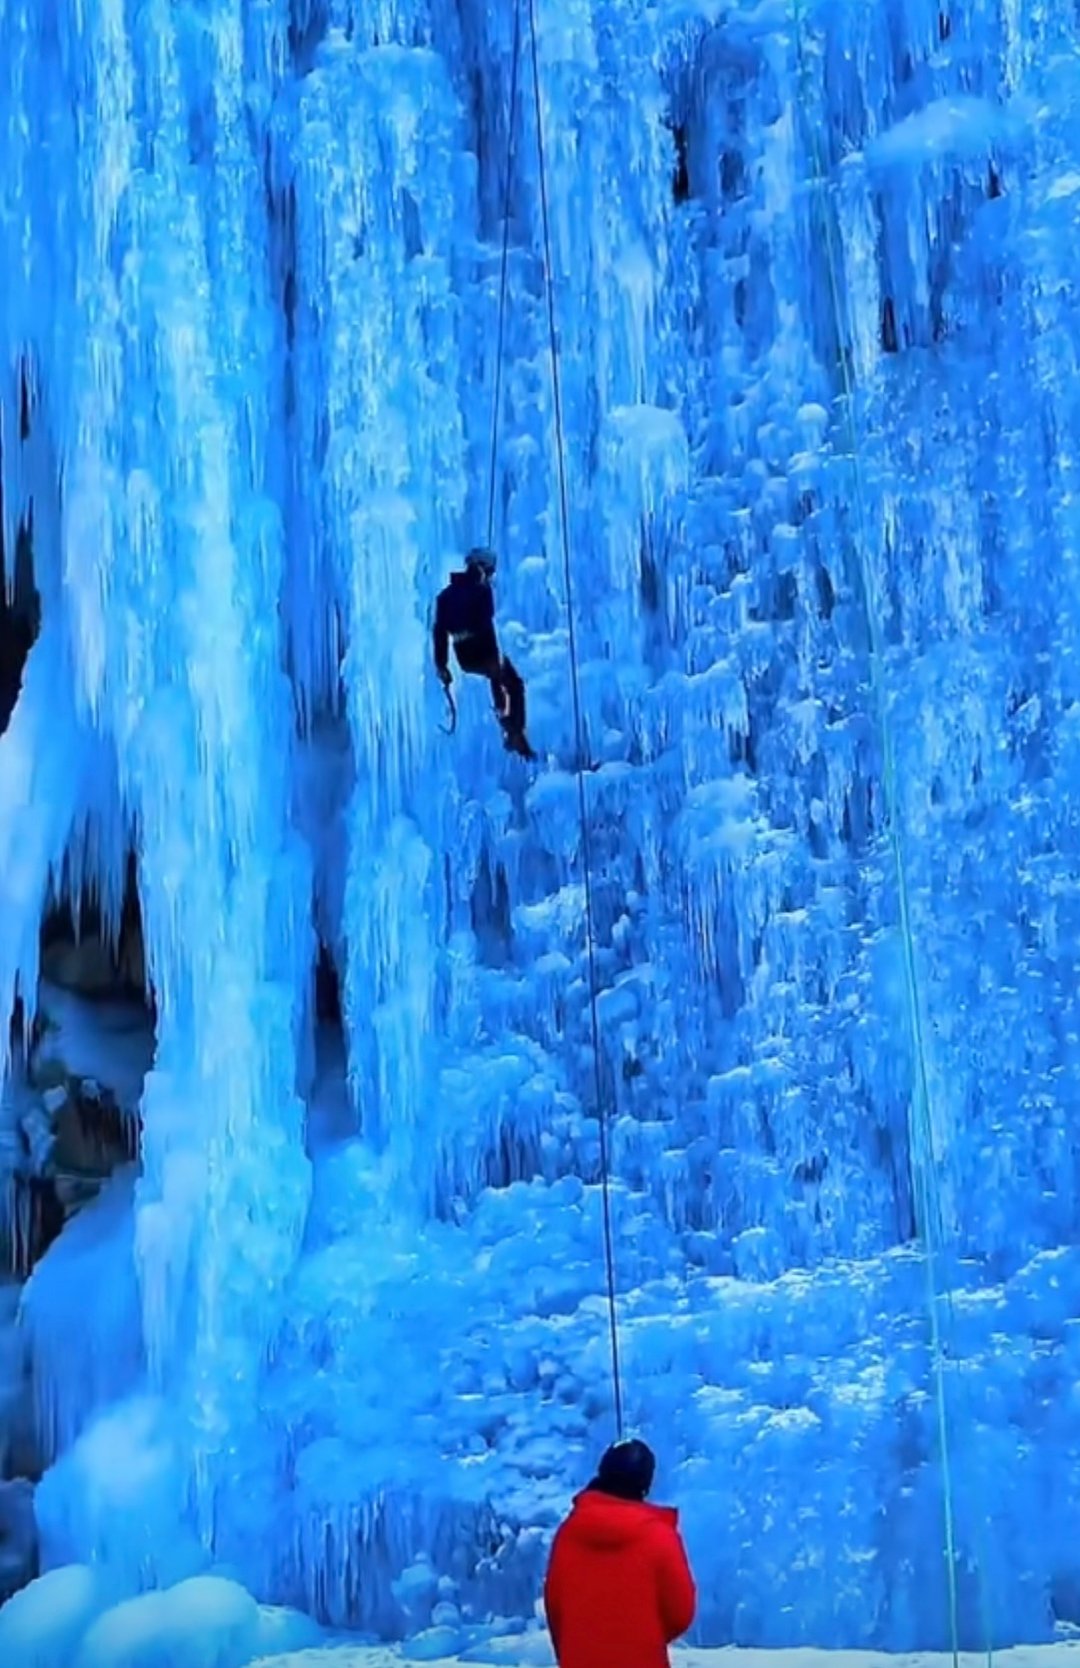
[{"x": 515, "y": 742}]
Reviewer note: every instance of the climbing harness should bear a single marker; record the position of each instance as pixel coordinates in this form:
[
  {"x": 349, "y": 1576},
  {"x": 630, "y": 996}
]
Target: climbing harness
[
  {"x": 927, "y": 1217},
  {"x": 575, "y": 680}
]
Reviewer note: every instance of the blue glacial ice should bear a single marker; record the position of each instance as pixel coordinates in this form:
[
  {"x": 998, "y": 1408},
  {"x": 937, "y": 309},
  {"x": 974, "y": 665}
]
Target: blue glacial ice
[{"x": 299, "y": 1132}]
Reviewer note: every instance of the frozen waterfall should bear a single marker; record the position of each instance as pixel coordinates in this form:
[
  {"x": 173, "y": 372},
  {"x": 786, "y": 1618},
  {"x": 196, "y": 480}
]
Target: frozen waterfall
[{"x": 300, "y": 1212}]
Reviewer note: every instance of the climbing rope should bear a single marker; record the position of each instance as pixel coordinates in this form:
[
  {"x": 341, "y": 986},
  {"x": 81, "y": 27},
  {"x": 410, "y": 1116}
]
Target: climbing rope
[
  {"x": 926, "y": 1216},
  {"x": 511, "y": 130},
  {"x": 575, "y": 680},
  {"x": 496, "y": 402}
]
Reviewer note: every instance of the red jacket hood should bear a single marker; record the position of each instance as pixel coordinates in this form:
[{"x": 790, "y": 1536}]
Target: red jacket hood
[{"x": 603, "y": 1520}]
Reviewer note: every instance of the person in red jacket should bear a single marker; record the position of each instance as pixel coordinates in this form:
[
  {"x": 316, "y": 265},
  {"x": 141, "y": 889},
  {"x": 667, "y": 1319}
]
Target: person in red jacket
[{"x": 618, "y": 1589}]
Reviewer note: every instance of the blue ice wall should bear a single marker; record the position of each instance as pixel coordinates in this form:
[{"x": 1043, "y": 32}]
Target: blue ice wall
[
  {"x": 137, "y": 321},
  {"x": 814, "y": 285}
]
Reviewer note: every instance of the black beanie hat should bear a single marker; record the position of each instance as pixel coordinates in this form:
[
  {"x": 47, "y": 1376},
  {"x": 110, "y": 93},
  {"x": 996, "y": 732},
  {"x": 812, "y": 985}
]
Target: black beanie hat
[{"x": 626, "y": 1470}]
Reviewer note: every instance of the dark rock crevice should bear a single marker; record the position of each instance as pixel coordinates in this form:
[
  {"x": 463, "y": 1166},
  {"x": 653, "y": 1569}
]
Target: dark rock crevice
[
  {"x": 20, "y": 621},
  {"x": 71, "y": 1106}
]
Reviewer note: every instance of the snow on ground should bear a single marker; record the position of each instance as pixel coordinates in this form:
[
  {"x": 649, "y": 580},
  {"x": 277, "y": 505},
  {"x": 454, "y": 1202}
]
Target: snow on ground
[
  {"x": 517, "y": 1654},
  {"x": 69, "y": 1618}
]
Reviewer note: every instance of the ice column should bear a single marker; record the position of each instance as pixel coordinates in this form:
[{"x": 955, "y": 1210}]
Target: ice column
[
  {"x": 379, "y": 176},
  {"x": 141, "y": 301}
]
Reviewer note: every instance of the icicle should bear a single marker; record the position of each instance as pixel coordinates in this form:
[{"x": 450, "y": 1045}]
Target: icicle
[
  {"x": 46, "y": 763},
  {"x": 83, "y": 1354}
]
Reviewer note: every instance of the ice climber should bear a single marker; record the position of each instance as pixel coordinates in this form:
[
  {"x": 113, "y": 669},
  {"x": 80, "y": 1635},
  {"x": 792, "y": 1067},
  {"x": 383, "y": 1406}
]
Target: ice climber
[
  {"x": 619, "y": 1589},
  {"x": 465, "y": 616}
]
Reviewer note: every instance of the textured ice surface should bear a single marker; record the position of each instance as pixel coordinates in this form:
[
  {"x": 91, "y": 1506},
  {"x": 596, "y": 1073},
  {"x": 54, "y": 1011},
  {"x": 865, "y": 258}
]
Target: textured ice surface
[
  {"x": 79, "y": 1313},
  {"x": 69, "y": 1619},
  {"x": 814, "y": 281},
  {"x": 202, "y": 1623},
  {"x": 42, "y": 1626}
]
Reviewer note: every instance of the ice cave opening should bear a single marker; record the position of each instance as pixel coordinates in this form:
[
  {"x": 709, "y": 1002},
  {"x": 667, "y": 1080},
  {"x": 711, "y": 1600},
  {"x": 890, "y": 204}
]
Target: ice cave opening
[{"x": 362, "y": 1084}]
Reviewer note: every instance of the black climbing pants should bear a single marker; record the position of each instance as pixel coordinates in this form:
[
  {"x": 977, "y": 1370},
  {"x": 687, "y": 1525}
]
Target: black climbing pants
[
  {"x": 479, "y": 656},
  {"x": 508, "y": 695}
]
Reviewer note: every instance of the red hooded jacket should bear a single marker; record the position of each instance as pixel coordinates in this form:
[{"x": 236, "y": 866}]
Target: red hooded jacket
[{"x": 618, "y": 1587}]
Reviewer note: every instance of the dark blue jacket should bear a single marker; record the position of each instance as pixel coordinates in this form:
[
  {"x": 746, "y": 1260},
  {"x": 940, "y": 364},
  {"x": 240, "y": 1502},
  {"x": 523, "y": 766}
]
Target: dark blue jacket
[{"x": 465, "y": 612}]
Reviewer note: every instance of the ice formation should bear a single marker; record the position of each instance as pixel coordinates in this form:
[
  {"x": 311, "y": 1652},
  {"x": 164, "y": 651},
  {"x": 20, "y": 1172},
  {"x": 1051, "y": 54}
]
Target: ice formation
[{"x": 341, "y": 1332}]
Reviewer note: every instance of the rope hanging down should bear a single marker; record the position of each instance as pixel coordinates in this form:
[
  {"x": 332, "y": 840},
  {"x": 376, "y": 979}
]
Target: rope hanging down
[
  {"x": 511, "y": 129},
  {"x": 931, "y": 1225},
  {"x": 496, "y": 402},
  {"x": 575, "y": 681}
]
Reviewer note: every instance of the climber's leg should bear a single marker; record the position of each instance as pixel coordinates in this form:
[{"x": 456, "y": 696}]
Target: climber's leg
[{"x": 508, "y": 691}]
